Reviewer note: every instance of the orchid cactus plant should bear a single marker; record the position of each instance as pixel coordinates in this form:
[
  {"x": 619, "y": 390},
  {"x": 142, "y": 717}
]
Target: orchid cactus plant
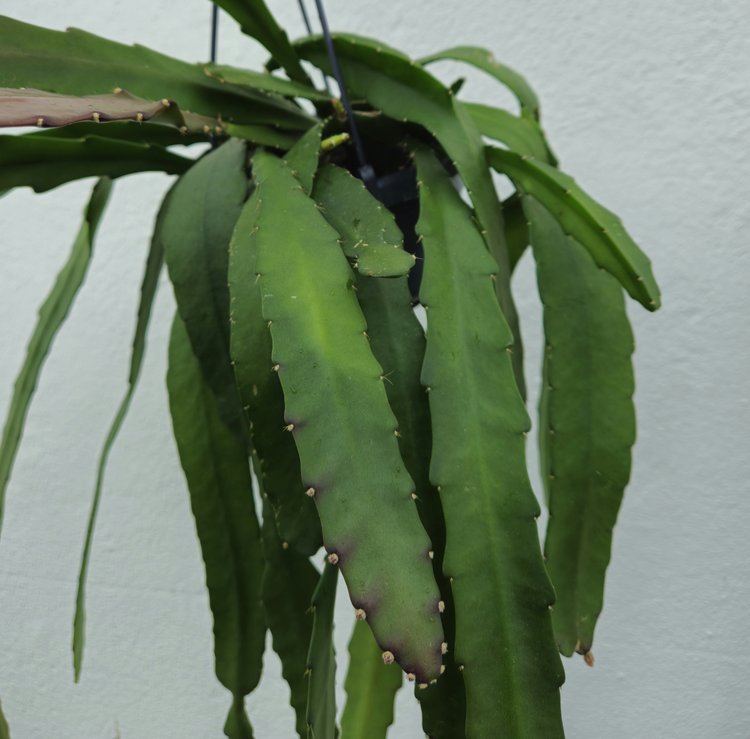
[{"x": 346, "y": 344}]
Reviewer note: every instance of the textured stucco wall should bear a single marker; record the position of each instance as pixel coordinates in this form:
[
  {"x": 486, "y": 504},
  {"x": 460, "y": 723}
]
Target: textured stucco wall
[{"x": 647, "y": 104}]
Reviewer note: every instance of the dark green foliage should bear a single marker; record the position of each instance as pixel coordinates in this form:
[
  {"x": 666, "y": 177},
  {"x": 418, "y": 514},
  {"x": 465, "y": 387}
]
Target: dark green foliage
[
  {"x": 587, "y": 424},
  {"x": 52, "y": 315},
  {"x": 398, "y": 343},
  {"x": 367, "y": 237},
  {"x": 402, "y": 90},
  {"x": 504, "y": 633},
  {"x": 277, "y": 462},
  {"x": 370, "y": 686},
  {"x": 152, "y": 271},
  {"x": 289, "y": 581},
  {"x": 334, "y": 397},
  {"x": 303, "y": 158},
  {"x": 256, "y": 20},
  {"x": 150, "y": 132},
  {"x": 44, "y": 163},
  {"x": 519, "y": 134},
  {"x": 218, "y": 476},
  {"x": 4, "y": 730},
  {"x": 485, "y": 60},
  {"x": 263, "y": 81},
  {"x": 321, "y": 660},
  {"x": 196, "y": 230},
  {"x": 74, "y": 62},
  {"x": 581, "y": 217},
  {"x": 516, "y": 229},
  {"x": 398, "y": 447},
  {"x": 260, "y": 135}
]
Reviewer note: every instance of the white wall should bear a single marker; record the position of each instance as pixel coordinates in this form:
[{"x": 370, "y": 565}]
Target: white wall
[{"x": 647, "y": 104}]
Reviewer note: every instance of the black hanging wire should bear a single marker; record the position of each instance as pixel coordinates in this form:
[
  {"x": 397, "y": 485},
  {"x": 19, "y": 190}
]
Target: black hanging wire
[
  {"x": 308, "y": 26},
  {"x": 366, "y": 172},
  {"x": 214, "y": 44},
  {"x": 305, "y": 16},
  {"x": 214, "y": 31}
]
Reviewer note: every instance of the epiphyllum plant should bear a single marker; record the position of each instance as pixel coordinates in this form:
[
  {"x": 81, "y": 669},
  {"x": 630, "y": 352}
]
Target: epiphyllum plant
[{"x": 296, "y": 350}]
